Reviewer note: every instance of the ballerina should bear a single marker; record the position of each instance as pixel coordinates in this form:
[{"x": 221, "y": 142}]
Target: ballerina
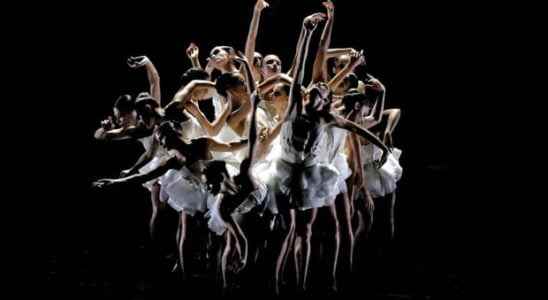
[{"x": 299, "y": 176}]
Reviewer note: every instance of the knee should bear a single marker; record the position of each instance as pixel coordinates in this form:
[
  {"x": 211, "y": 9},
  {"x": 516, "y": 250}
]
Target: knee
[{"x": 304, "y": 231}]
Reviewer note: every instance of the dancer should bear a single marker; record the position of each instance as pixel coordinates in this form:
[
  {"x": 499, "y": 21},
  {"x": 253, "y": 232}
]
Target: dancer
[
  {"x": 187, "y": 194},
  {"x": 299, "y": 176}
]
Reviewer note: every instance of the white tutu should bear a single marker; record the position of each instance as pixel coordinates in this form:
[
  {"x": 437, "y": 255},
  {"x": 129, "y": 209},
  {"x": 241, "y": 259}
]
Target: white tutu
[
  {"x": 184, "y": 192},
  {"x": 254, "y": 199},
  {"x": 383, "y": 181},
  {"x": 232, "y": 159},
  {"x": 341, "y": 164},
  {"x": 153, "y": 164}
]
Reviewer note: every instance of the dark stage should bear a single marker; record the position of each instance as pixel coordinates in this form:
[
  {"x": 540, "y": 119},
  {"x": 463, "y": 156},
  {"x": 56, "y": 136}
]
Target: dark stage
[{"x": 97, "y": 241}]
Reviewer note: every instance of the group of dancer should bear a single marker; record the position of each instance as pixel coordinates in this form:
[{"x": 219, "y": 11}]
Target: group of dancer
[{"x": 258, "y": 152}]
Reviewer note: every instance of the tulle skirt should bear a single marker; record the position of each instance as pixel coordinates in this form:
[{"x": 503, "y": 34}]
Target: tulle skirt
[
  {"x": 184, "y": 192},
  {"x": 383, "y": 181},
  {"x": 254, "y": 199},
  {"x": 153, "y": 164}
]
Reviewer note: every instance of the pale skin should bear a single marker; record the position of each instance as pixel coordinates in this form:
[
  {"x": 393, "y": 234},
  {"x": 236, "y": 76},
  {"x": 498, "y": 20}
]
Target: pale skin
[
  {"x": 176, "y": 161},
  {"x": 241, "y": 185},
  {"x": 316, "y": 109}
]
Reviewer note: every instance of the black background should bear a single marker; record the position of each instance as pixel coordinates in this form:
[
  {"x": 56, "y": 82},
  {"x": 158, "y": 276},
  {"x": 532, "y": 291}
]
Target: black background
[{"x": 97, "y": 242}]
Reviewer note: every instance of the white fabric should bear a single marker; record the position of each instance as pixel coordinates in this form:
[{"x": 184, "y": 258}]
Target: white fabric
[{"x": 383, "y": 181}]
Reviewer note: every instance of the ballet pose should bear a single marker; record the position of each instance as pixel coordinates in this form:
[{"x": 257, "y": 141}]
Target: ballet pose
[{"x": 302, "y": 182}]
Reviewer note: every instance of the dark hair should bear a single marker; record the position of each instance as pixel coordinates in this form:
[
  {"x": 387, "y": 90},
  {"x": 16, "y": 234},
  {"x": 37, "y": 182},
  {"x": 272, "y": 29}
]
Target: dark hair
[
  {"x": 351, "y": 98},
  {"x": 146, "y": 106},
  {"x": 124, "y": 104},
  {"x": 169, "y": 130},
  {"x": 193, "y": 74},
  {"x": 351, "y": 81},
  {"x": 213, "y": 172},
  {"x": 228, "y": 81},
  {"x": 174, "y": 114}
]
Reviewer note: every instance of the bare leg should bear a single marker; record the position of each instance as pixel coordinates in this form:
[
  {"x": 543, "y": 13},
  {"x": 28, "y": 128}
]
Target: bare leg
[
  {"x": 182, "y": 239},
  {"x": 283, "y": 252},
  {"x": 365, "y": 215},
  {"x": 224, "y": 259},
  {"x": 337, "y": 245},
  {"x": 391, "y": 212},
  {"x": 349, "y": 230},
  {"x": 155, "y": 201},
  {"x": 240, "y": 240},
  {"x": 286, "y": 257},
  {"x": 305, "y": 220}
]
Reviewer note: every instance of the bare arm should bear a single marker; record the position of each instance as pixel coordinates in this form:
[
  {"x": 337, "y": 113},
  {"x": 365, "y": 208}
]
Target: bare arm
[
  {"x": 238, "y": 116},
  {"x": 133, "y": 132},
  {"x": 378, "y": 107},
  {"x": 356, "y": 60},
  {"x": 141, "y": 178},
  {"x": 193, "y": 54},
  {"x": 295, "y": 98},
  {"x": 393, "y": 118},
  {"x": 217, "y": 146},
  {"x": 144, "y": 159},
  {"x": 152, "y": 74},
  {"x": 336, "y": 52},
  {"x": 189, "y": 92},
  {"x": 252, "y": 36},
  {"x": 267, "y": 85},
  {"x": 212, "y": 128},
  {"x": 364, "y": 133},
  {"x": 319, "y": 71},
  {"x": 292, "y": 70}
]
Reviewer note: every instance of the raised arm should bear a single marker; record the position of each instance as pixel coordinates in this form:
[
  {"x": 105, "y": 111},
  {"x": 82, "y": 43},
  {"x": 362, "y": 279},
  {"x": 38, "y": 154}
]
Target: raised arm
[
  {"x": 378, "y": 107},
  {"x": 252, "y": 36},
  {"x": 295, "y": 97},
  {"x": 355, "y": 60},
  {"x": 193, "y": 54},
  {"x": 161, "y": 169},
  {"x": 336, "y": 52},
  {"x": 192, "y": 91},
  {"x": 244, "y": 61},
  {"x": 152, "y": 74},
  {"x": 319, "y": 71}
]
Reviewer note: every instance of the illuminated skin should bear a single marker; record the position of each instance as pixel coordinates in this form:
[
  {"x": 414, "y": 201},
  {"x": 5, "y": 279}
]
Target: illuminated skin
[
  {"x": 222, "y": 59},
  {"x": 272, "y": 65}
]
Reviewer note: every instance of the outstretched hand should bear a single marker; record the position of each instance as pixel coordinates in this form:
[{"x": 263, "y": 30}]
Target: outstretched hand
[
  {"x": 311, "y": 22},
  {"x": 102, "y": 183},
  {"x": 357, "y": 58},
  {"x": 261, "y": 4},
  {"x": 330, "y": 7},
  {"x": 192, "y": 51},
  {"x": 107, "y": 124},
  {"x": 136, "y": 62}
]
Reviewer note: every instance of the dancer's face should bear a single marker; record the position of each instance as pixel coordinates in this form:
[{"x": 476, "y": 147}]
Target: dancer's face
[
  {"x": 272, "y": 65},
  {"x": 258, "y": 60},
  {"x": 125, "y": 119},
  {"x": 220, "y": 56}
]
